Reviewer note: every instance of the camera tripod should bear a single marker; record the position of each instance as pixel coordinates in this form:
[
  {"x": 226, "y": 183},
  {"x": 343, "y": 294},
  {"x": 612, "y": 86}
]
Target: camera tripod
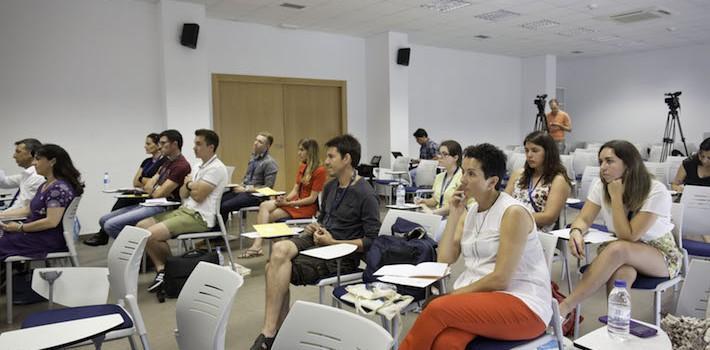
[
  {"x": 669, "y": 134},
  {"x": 541, "y": 122}
]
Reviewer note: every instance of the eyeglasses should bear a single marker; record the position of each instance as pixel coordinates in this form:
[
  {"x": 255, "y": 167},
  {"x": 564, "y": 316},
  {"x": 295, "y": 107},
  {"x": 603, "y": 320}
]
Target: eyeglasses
[{"x": 443, "y": 154}]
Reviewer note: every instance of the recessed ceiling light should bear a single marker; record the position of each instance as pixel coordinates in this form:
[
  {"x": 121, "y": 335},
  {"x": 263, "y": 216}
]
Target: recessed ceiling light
[
  {"x": 592, "y": 6},
  {"x": 541, "y": 24},
  {"x": 293, "y": 6},
  {"x": 482, "y": 36},
  {"x": 445, "y": 5},
  {"x": 606, "y": 38},
  {"x": 576, "y": 52},
  {"x": 497, "y": 15},
  {"x": 671, "y": 29}
]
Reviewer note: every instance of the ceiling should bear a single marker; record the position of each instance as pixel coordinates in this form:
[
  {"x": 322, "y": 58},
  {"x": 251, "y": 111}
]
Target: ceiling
[{"x": 575, "y": 25}]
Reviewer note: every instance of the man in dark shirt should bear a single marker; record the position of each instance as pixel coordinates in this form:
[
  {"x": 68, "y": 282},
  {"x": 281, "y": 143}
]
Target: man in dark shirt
[
  {"x": 261, "y": 172},
  {"x": 349, "y": 213},
  {"x": 166, "y": 183}
]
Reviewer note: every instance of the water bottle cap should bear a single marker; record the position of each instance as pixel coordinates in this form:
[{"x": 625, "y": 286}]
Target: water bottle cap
[{"x": 620, "y": 283}]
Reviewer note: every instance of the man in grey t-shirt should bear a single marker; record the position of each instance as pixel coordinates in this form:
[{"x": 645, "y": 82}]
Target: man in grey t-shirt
[
  {"x": 349, "y": 213},
  {"x": 261, "y": 172}
]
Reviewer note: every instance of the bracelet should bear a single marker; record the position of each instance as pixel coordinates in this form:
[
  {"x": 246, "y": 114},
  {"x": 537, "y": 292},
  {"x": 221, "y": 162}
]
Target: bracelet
[
  {"x": 19, "y": 228},
  {"x": 187, "y": 185},
  {"x": 578, "y": 229}
]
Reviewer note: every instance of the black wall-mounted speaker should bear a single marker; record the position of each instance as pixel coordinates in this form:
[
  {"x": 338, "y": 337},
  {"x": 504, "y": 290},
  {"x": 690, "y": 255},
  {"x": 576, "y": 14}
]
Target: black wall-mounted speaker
[
  {"x": 403, "y": 56},
  {"x": 189, "y": 34}
]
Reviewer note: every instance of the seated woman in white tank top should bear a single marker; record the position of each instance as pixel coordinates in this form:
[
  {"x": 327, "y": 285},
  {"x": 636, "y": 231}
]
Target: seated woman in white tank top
[
  {"x": 542, "y": 184},
  {"x": 504, "y": 293},
  {"x": 637, "y": 209}
]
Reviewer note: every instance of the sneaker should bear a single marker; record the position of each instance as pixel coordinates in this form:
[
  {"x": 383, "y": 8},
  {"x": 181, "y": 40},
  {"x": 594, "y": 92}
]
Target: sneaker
[
  {"x": 262, "y": 343},
  {"x": 157, "y": 282},
  {"x": 98, "y": 239}
]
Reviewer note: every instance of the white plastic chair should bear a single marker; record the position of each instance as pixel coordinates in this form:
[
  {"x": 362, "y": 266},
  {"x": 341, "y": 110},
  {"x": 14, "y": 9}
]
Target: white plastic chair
[
  {"x": 430, "y": 222},
  {"x": 124, "y": 259},
  {"x": 659, "y": 171},
  {"x": 693, "y": 299},
  {"x": 70, "y": 254},
  {"x": 581, "y": 160},
  {"x": 567, "y": 161},
  {"x": 674, "y": 162},
  {"x": 518, "y": 161},
  {"x": 230, "y": 172},
  {"x": 655, "y": 154},
  {"x": 426, "y": 173},
  {"x": 311, "y": 326},
  {"x": 203, "y": 306}
]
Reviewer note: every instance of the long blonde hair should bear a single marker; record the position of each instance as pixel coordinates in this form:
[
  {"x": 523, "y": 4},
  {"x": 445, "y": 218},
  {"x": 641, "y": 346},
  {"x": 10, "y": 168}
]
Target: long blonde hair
[{"x": 312, "y": 160}]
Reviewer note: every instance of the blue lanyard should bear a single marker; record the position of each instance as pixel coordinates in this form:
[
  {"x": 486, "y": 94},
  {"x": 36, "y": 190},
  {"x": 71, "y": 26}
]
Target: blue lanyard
[
  {"x": 338, "y": 201},
  {"x": 531, "y": 189},
  {"x": 445, "y": 185}
]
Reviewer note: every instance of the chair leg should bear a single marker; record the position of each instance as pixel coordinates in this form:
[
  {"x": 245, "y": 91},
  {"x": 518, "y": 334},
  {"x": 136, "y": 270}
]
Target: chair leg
[
  {"x": 577, "y": 315},
  {"x": 395, "y": 332},
  {"x": 321, "y": 293},
  {"x": 657, "y": 308},
  {"x": 131, "y": 342},
  {"x": 8, "y": 290},
  {"x": 228, "y": 248},
  {"x": 144, "y": 342}
]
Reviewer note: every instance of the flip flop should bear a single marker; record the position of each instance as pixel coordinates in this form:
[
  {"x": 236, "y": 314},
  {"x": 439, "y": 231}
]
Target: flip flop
[{"x": 250, "y": 253}]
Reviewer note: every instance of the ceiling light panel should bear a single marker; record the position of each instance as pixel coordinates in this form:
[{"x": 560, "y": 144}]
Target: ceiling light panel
[
  {"x": 541, "y": 24},
  {"x": 576, "y": 31},
  {"x": 446, "y": 5},
  {"x": 497, "y": 16}
]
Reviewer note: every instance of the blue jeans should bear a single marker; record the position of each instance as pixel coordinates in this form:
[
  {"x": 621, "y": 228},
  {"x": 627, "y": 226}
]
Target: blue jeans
[{"x": 114, "y": 221}]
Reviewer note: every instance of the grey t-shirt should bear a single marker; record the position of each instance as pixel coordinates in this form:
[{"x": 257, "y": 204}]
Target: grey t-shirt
[{"x": 351, "y": 213}]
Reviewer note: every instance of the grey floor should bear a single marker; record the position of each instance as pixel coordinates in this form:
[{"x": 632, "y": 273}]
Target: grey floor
[{"x": 247, "y": 311}]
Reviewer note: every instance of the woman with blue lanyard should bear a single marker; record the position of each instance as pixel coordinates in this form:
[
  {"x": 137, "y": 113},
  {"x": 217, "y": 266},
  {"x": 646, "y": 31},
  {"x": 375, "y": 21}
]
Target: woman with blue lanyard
[
  {"x": 446, "y": 182},
  {"x": 542, "y": 184}
]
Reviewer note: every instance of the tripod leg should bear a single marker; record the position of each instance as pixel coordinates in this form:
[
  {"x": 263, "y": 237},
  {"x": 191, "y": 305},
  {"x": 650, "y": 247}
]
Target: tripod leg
[
  {"x": 682, "y": 136},
  {"x": 667, "y": 137}
]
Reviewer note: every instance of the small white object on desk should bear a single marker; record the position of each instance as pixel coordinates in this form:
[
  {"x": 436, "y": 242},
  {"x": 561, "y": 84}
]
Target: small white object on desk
[
  {"x": 330, "y": 252},
  {"x": 254, "y": 234},
  {"x": 395, "y": 172},
  {"x": 600, "y": 339},
  {"x": 276, "y": 193},
  {"x": 59, "y": 334},
  {"x": 406, "y": 206},
  {"x": 426, "y": 269},
  {"x": 573, "y": 201},
  {"x": 408, "y": 281},
  {"x": 593, "y": 236},
  {"x": 159, "y": 202}
]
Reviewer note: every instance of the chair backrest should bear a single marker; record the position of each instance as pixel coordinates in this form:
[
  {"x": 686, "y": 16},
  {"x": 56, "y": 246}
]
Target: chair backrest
[
  {"x": 693, "y": 299},
  {"x": 655, "y": 154},
  {"x": 426, "y": 172},
  {"x": 697, "y": 209},
  {"x": 518, "y": 161},
  {"x": 674, "y": 162},
  {"x": 430, "y": 222},
  {"x": 76, "y": 286},
  {"x": 124, "y": 259},
  {"x": 230, "y": 172},
  {"x": 311, "y": 326},
  {"x": 68, "y": 228},
  {"x": 659, "y": 171},
  {"x": 203, "y": 307},
  {"x": 677, "y": 210},
  {"x": 400, "y": 164},
  {"x": 568, "y": 163},
  {"x": 582, "y": 159},
  {"x": 549, "y": 243},
  {"x": 588, "y": 176}
]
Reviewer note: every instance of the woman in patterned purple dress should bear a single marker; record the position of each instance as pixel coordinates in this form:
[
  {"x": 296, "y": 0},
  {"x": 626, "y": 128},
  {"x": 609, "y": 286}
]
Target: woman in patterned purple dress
[{"x": 42, "y": 232}]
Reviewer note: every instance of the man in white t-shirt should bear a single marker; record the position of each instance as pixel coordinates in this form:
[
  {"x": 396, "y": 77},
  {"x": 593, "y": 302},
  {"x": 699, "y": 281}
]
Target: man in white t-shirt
[
  {"x": 26, "y": 182},
  {"x": 200, "y": 193}
]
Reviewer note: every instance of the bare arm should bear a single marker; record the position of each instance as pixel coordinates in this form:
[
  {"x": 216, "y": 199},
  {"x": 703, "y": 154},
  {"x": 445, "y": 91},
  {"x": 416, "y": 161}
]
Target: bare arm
[
  {"x": 137, "y": 178},
  {"x": 53, "y": 218},
  {"x": 17, "y": 212},
  {"x": 559, "y": 191},
  {"x": 165, "y": 189},
  {"x": 450, "y": 242},
  {"x": 200, "y": 190},
  {"x": 677, "y": 184},
  {"x": 514, "y": 229},
  {"x": 580, "y": 226}
]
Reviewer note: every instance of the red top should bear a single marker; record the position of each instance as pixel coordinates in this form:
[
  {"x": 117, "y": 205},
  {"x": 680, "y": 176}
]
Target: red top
[{"x": 316, "y": 183}]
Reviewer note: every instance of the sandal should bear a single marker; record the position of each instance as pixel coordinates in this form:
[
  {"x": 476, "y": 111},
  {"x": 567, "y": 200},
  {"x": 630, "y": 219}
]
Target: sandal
[{"x": 251, "y": 253}]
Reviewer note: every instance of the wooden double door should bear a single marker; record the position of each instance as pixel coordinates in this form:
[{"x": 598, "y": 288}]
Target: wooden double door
[{"x": 290, "y": 109}]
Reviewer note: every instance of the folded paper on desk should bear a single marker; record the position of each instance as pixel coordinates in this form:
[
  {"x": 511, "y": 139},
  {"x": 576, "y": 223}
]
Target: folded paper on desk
[
  {"x": 156, "y": 200},
  {"x": 425, "y": 269},
  {"x": 419, "y": 282},
  {"x": 273, "y": 230},
  {"x": 267, "y": 191},
  {"x": 593, "y": 236}
]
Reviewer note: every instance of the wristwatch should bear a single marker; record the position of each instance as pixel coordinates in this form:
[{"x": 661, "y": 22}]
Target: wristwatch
[{"x": 187, "y": 185}]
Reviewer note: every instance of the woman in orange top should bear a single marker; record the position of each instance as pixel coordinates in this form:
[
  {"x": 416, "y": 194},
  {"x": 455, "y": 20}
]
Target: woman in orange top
[{"x": 302, "y": 201}]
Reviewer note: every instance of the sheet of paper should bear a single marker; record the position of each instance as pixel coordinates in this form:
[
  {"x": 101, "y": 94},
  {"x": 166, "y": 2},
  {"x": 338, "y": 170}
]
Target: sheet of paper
[
  {"x": 408, "y": 281},
  {"x": 425, "y": 269},
  {"x": 594, "y": 236},
  {"x": 267, "y": 191},
  {"x": 273, "y": 230}
]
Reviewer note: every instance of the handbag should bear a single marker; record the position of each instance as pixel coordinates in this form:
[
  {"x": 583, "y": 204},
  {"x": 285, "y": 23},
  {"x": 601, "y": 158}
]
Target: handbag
[
  {"x": 179, "y": 268},
  {"x": 382, "y": 301}
]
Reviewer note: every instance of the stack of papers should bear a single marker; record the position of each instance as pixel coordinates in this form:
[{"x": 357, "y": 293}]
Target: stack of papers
[
  {"x": 594, "y": 236},
  {"x": 273, "y": 230},
  {"x": 422, "y": 270},
  {"x": 267, "y": 191},
  {"x": 158, "y": 202}
]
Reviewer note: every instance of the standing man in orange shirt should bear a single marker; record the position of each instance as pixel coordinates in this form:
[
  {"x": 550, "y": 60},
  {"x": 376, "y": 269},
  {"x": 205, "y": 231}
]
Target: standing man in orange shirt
[{"x": 558, "y": 122}]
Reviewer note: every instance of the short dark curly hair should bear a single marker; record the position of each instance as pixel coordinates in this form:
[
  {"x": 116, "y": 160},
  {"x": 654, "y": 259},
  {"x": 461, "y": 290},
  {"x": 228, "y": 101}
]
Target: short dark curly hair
[{"x": 492, "y": 160}]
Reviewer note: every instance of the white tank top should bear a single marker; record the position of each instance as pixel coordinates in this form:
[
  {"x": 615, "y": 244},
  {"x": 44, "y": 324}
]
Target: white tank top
[{"x": 531, "y": 279}]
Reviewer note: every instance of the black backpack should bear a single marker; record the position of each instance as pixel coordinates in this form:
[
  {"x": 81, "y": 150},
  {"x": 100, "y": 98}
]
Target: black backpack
[
  {"x": 411, "y": 248},
  {"x": 179, "y": 268}
]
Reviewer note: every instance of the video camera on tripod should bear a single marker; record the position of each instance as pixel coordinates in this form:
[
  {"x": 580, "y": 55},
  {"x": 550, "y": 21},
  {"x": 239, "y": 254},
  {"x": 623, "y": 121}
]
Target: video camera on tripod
[
  {"x": 672, "y": 101},
  {"x": 540, "y": 118}
]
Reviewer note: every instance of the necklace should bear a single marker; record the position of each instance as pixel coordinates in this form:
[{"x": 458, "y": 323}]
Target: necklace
[{"x": 483, "y": 222}]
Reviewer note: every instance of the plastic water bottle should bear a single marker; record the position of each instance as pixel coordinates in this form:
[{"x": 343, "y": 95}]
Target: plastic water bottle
[
  {"x": 220, "y": 257},
  {"x": 619, "y": 313},
  {"x": 107, "y": 180},
  {"x": 400, "y": 195}
]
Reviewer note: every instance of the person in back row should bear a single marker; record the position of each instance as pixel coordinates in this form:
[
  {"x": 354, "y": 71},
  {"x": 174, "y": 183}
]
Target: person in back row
[
  {"x": 26, "y": 182},
  {"x": 261, "y": 172},
  {"x": 542, "y": 184},
  {"x": 695, "y": 170},
  {"x": 145, "y": 172},
  {"x": 200, "y": 193},
  {"x": 558, "y": 123},
  {"x": 349, "y": 214},
  {"x": 42, "y": 232},
  {"x": 446, "y": 182},
  {"x": 301, "y": 202},
  {"x": 637, "y": 209},
  {"x": 504, "y": 292},
  {"x": 165, "y": 184}
]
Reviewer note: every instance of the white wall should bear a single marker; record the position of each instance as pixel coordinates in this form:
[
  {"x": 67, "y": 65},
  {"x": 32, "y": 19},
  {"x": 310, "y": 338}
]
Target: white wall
[
  {"x": 465, "y": 96},
  {"x": 83, "y": 74},
  {"x": 539, "y": 77},
  {"x": 621, "y": 96},
  {"x": 253, "y": 49}
]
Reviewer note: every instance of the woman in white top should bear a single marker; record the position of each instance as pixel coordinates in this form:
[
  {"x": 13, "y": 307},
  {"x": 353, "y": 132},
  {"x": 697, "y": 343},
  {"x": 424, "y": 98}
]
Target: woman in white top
[
  {"x": 637, "y": 209},
  {"x": 542, "y": 184},
  {"x": 504, "y": 293},
  {"x": 446, "y": 182}
]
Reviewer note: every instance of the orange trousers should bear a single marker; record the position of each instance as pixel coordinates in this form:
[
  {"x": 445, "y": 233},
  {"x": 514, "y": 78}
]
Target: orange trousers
[{"x": 450, "y": 322}]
